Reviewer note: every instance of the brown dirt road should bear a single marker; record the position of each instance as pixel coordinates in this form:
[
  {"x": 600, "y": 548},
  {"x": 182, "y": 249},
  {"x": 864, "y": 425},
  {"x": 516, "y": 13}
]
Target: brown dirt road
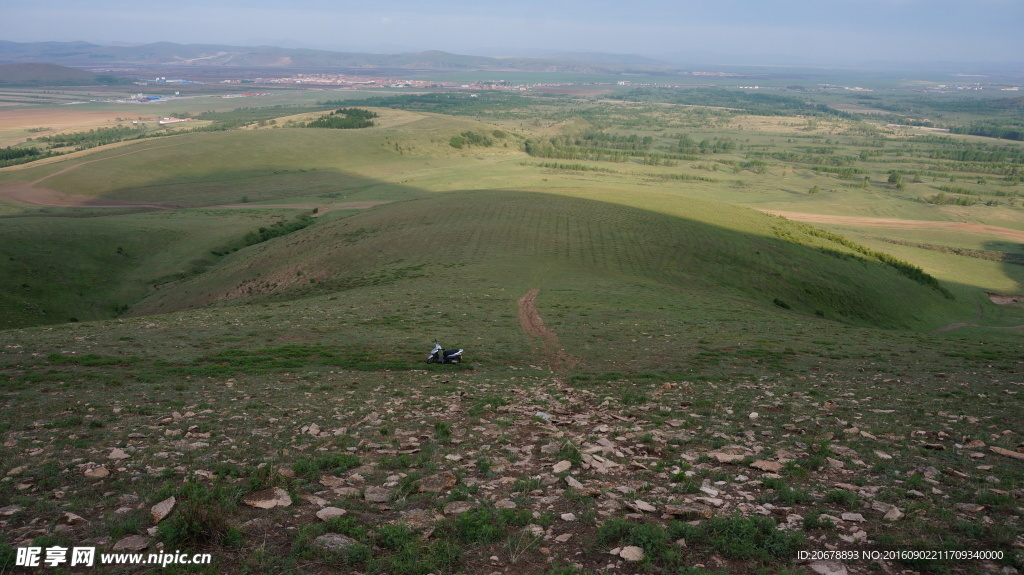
[
  {"x": 1008, "y": 233},
  {"x": 534, "y": 326}
]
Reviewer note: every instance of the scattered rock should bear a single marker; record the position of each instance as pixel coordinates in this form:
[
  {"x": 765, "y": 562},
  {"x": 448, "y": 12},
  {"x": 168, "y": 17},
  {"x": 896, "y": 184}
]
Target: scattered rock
[
  {"x": 377, "y": 494},
  {"x": 689, "y": 512},
  {"x": 268, "y": 498},
  {"x": 10, "y": 510},
  {"x": 725, "y": 457},
  {"x": 162, "y": 509},
  {"x": 17, "y": 471},
  {"x": 969, "y": 507},
  {"x": 96, "y": 472},
  {"x": 572, "y": 482},
  {"x": 853, "y": 517},
  {"x": 893, "y": 514},
  {"x": 132, "y": 543},
  {"x": 334, "y": 542},
  {"x": 562, "y": 466},
  {"x": 1007, "y": 452},
  {"x": 418, "y": 518},
  {"x": 457, "y": 507},
  {"x": 632, "y": 553},
  {"x": 328, "y": 513},
  {"x": 769, "y": 466},
  {"x": 568, "y": 517},
  {"x": 70, "y": 518},
  {"x": 438, "y": 483},
  {"x": 882, "y": 455},
  {"x": 644, "y": 506},
  {"x": 118, "y": 454}
]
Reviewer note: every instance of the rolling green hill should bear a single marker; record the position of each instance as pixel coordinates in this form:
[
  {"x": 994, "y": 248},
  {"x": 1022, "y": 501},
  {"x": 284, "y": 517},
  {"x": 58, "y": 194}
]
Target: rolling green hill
[{"x": 705, "y": 246}]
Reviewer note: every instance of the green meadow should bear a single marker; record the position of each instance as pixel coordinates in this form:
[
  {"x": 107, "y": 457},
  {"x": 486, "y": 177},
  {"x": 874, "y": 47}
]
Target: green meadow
[{"x": 200, "y": 299}]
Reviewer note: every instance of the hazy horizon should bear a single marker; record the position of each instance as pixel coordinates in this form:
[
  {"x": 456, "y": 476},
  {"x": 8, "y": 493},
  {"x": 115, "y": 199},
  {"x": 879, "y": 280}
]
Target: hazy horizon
[{"x": 740, "y": 31}]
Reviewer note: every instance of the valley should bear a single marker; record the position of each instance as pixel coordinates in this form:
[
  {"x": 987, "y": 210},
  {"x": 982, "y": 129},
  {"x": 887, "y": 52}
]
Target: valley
[{"x": 705, "y": 330}]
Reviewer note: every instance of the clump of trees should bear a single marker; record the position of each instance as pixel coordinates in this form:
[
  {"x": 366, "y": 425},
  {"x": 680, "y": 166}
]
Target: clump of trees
[
  {"x": 470, "y": 138},
  {"x": 344, "y": 119}
]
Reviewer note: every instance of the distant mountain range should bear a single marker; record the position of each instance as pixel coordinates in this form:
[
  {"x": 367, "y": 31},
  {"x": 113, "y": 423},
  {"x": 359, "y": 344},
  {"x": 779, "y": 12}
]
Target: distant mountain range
[
  {"x": 52, "y": 75},
  {"x": 167, "y": 54}
]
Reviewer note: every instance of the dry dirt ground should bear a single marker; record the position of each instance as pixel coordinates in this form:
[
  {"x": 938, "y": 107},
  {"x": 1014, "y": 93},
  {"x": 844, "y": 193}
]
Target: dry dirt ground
[
  {"x": 902, "y": 224},
  {"x": 56, "y": 120}
]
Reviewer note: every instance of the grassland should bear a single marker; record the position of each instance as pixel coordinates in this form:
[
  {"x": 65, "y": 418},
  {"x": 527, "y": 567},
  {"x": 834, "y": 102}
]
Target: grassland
[{"x": 689, "y": 339}]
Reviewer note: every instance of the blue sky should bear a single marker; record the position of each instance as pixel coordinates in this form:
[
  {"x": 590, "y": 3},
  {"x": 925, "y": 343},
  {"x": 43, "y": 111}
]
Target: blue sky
[{"x": 818, "y": 31}]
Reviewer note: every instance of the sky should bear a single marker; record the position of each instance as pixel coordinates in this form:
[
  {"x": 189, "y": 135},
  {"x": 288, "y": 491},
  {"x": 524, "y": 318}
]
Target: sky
[{"x": 787, "y": 31}]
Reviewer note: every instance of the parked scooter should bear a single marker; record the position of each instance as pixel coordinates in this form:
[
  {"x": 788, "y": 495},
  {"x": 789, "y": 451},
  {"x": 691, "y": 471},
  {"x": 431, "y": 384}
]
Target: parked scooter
[{"x": 441, "y": 355}]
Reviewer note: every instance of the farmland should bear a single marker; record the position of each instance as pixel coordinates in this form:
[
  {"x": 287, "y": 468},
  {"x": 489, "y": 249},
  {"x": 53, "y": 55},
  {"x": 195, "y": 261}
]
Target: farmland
[{"x": 652, "y": 354}]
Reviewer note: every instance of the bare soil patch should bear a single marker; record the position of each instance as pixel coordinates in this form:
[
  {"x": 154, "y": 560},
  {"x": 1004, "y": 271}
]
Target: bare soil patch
[
  {"x": 898, "y": 223},
  {"x": 57, "y": 120}
]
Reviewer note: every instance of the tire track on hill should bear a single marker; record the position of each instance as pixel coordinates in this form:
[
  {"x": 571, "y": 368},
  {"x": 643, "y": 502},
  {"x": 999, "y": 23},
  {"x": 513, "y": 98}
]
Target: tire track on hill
[{"x": 533, "y": 325}]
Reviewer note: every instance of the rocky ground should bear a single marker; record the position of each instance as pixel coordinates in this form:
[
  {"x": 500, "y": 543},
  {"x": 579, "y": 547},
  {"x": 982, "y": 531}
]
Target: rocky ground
[{"x": 434, "y": 471}]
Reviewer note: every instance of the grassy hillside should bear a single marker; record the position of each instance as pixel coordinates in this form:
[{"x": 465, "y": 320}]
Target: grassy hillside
[
  {"x": 644, "y": 364},
  {"x": 698, "y": 245},
  {"x": 59, "y": 269}
]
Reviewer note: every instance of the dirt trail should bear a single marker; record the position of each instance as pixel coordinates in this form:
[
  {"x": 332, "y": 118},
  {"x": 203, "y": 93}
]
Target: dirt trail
[
  {"x": 897, "y": 223},
  {"x": 534, "y": 326}
]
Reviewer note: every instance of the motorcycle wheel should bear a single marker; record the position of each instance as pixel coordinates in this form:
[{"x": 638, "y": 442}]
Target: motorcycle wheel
[{"x": 430, "y": 359}]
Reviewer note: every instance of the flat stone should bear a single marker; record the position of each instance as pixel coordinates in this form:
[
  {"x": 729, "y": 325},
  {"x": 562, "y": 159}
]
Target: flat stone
[
  {"x": 769, "y": 466},
  {"x": 969, "y": 507},
  {"x": 314, "y": 499},
  {"x": 70, "y": 518},
  {"x": 458, "y": 507},
  {"x": 118, "y": 454},
  {"x": 568, "y": 517},
  {"x": 562, "y": 466},
  {"x": 632, "y": 553},
  {"x": 418, "y": 518},
  {"x": 713, "y": 501},
  {"x": 438, "y": 483},
  {"x": 882, "y": 454},
  {"x": 268, "y": 498},
  {"x": 132, "y": 543},
  {"x": 644, "y": 506},
  {"x": 10, "y": 510},
  {"x": 334, "y": 542},
  {"x": 328, "y": 513},
  {"x": 377, "y": 494},
  {"x": 726, "y": 457},
  {"x": 96, "y": 472},
  {"x": 893, "y": 514},
  {"x": 853, "y": 517},
  {"x": 332, "y": 481},
  {"x": 162, "y": 509},
  {"x": 17, "y": 471},
  {"x": 506, "y": 504},
  {"x": 689, "y": 512},
  {"x": 1006, "y": 452}
]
